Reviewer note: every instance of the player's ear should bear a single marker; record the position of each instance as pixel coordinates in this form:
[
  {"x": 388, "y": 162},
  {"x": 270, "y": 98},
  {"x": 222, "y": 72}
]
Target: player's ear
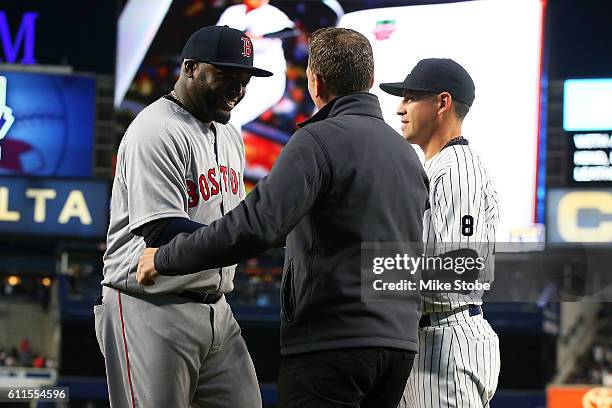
[
  {"x": 445, "y": 102},
  {"x": 320, "y": 86},
  {"x": 190, "y": 67}
]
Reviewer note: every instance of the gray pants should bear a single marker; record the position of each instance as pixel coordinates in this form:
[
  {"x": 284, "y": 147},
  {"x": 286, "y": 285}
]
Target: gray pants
[{"x": 167, "y": 351}]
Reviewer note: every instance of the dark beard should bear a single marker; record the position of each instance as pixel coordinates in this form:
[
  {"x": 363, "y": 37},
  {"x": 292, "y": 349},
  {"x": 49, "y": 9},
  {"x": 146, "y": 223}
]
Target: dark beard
[
  {"x": 220, "y": 116},
  {"x": 210, "y": 102}
]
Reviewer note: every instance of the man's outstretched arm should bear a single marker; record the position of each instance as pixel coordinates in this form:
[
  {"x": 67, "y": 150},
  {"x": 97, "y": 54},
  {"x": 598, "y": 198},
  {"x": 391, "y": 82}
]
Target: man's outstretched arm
[{"x": 261, "y": 221}]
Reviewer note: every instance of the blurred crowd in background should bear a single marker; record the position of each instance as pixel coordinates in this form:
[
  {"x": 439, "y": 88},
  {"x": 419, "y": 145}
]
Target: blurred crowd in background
[{"x": 24, "y": 356}]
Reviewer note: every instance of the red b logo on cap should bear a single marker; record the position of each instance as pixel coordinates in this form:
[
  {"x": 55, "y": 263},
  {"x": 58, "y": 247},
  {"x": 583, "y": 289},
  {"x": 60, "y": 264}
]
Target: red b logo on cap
[{"x": 246, "y": 47}]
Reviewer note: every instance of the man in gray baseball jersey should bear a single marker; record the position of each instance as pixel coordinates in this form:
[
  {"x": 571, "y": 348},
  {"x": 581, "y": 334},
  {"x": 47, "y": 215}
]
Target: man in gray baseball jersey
[
  {"x": 458, "y": 360},
  {"x": 179, "y": 167}
]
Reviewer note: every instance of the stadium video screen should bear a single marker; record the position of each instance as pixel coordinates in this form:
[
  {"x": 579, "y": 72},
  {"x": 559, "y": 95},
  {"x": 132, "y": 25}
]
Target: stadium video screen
[
  {"x": 46, "y": 124},
  {"x": 502, "y": 125},
  {"x": 587, "y": 121},
  {"x": 504, "y": 61}
]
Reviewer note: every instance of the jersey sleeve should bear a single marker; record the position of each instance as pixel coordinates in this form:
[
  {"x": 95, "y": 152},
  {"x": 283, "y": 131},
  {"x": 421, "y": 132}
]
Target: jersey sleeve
[
  {"x": 233, "y": 17},
  {"x": 491, "y": 214},
  {"x": 491, "y": 208},
  {"x": 154, "y": 166},
  {"x": 279, "y": 21},
  {"x": 269, "y": 19}
]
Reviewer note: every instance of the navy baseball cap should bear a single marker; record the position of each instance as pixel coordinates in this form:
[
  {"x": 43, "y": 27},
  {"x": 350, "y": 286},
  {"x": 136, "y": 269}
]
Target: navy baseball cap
[
  {"x": 436, "y": 75},
  {"x": 223, "y": 47}
]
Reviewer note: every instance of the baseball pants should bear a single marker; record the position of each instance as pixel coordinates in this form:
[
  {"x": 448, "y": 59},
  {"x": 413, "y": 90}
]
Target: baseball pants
[
  {"x": 367, "y": 377},
  {"x": 168, "y": 351},
  {"x": 457, "y": 365}
]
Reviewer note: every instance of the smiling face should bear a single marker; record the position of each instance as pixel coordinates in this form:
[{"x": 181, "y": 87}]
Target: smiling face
[
  {"x": 419, "y": 116},
  {"x": 216, "y": 91}
]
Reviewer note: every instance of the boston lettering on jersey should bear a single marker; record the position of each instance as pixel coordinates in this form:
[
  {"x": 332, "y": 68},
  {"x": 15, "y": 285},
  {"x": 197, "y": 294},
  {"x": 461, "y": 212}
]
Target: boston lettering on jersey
[{"x": 207, "y": 185}]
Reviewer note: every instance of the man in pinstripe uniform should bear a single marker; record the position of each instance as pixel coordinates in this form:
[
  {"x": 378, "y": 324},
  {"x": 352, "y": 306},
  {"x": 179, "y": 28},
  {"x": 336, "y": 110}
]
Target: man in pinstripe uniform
[{"x": 458, "y": 359}]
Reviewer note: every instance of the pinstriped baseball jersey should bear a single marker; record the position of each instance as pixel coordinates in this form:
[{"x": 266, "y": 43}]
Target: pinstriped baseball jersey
[
  {"x": 463, "y": 214},
  {"x": 458, "y": 362},
  {"x": 170, "y": 164}
]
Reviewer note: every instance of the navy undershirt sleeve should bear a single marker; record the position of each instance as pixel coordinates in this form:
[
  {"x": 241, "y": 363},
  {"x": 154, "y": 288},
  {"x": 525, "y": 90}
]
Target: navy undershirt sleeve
[{"x": 160, "y": 232}]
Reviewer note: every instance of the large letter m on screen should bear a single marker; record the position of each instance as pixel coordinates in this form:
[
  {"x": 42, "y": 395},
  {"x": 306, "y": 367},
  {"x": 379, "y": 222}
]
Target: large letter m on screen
[{"x": 24, "y": 39}]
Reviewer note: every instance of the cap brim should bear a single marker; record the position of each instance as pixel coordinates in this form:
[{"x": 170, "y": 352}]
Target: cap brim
[
  {"x": 398, "y": 88},
  {"x": 257, "y": 72},
  {"x": 393, "y": 88}
]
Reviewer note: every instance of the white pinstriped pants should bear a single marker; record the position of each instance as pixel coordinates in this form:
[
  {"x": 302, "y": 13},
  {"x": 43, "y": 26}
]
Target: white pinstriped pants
[{"x": 457, "y": 365}]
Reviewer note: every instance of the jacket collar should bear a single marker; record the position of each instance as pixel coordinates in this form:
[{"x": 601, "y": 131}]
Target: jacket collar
[{"x": 359, "y": 103}]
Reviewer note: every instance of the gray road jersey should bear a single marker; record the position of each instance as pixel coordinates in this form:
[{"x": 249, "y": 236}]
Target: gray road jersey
[
  {"x": 459, "y": 187},
  {"x": 168, "y": 166}
]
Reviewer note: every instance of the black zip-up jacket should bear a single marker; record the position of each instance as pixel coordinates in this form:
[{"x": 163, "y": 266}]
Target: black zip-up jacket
[{"x": 344, "y": 178}]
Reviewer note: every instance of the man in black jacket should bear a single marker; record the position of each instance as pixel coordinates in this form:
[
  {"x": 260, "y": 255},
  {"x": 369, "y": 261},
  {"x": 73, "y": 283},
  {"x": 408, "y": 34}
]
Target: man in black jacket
[{"x": 344, "y": 178}]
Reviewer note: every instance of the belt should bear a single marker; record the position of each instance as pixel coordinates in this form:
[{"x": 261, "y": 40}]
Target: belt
[
  {"x": 474, "y": 310},
  {"x": 207, "y": 298}
]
